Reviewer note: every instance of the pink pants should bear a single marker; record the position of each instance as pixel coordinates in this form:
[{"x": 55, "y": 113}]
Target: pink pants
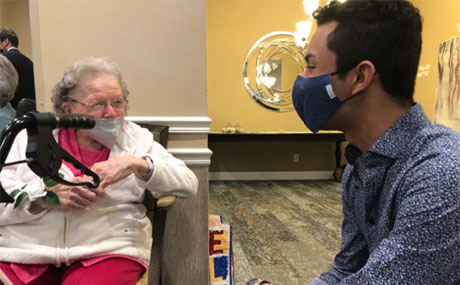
[{"x": 110, "y": 271}]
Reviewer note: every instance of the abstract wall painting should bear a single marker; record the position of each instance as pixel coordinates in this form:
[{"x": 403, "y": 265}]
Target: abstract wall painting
[{"x": 447, "y": 105}]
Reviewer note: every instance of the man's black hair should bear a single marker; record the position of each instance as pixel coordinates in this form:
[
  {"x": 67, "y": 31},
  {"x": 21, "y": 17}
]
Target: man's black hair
[
  {"x": 10, "y": 35},
  {"x": 387, "y": 32}
]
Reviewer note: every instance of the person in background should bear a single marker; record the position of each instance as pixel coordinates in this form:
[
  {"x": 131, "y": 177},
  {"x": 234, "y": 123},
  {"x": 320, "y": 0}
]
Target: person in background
[
  {"x": 8, "y": 83},
  {"x": 91, "y": 236},
  {"x": 9, "y": 43},
  {"x": 401, "y": 189}
]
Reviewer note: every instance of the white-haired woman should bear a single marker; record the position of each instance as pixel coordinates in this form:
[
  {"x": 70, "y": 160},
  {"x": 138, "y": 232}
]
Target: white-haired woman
[
  {"x": 93, "y": 236},
  {"x": 8, "y": 84}
]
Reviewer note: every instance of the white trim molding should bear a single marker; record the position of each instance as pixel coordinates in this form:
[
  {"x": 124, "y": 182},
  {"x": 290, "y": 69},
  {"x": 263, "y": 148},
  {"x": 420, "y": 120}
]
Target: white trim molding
[
  {"x": 177, "y": 125},
  {"x": 272, "y": 175},
  {"x": 193, "y": 156},
  {"x": 183, "y": 125}
]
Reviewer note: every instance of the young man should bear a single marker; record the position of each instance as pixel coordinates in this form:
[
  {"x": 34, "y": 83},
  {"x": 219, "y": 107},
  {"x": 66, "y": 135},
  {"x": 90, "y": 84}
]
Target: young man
[
  {"x": 401, "y": 189},
  {"x": 9, "y": 43}
]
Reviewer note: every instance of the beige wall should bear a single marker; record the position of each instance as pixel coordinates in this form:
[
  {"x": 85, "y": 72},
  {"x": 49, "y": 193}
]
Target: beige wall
[
  {"x": 160, "y": 46},
  {"x": 15, "y": 15},
  {"x": 2, "y": 11}
]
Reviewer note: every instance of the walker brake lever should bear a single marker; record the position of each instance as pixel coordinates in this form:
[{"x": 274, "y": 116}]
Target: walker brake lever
[{"x": 45, "y": 157}]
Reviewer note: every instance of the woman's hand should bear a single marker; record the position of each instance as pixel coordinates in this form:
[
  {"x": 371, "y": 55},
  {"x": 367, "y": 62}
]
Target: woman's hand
[
  {"x": 115, "y": 169},
  {"x": 77, "y": 197}
]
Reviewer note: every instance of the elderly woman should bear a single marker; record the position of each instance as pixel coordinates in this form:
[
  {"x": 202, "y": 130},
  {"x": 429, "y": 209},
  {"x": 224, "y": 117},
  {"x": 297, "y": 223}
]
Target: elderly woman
[
  {"x": 93, "y": 236},
  {"x": 8, "y": 84}
]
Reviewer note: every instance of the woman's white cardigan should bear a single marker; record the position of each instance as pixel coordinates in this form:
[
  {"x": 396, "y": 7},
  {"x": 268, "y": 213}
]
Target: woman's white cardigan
[{"x": 115, "y": 224}]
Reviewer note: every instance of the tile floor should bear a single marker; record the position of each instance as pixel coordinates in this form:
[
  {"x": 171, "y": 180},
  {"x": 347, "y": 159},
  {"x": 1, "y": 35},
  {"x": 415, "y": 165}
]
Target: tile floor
[{"x": 284, "y": 231}]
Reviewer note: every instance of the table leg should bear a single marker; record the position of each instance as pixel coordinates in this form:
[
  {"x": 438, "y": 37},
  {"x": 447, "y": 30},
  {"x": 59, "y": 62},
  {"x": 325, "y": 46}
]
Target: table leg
[{"x": 338, "y": 154}]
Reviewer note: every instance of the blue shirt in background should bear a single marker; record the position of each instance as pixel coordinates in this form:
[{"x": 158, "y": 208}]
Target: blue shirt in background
[{"x": 401, "y": 208}]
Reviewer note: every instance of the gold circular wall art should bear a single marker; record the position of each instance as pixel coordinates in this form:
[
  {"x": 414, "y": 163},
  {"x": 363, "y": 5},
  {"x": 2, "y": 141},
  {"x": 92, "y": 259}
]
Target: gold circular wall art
[{"x": 270, "y": 69}]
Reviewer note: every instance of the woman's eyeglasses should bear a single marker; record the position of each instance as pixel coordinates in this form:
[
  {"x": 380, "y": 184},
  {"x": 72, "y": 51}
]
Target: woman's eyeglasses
[{"x": 100, "y": 106}]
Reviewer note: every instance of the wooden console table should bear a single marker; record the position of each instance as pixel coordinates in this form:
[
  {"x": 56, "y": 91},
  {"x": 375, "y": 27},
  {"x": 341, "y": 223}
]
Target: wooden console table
[{"x": 336, "y": 137}]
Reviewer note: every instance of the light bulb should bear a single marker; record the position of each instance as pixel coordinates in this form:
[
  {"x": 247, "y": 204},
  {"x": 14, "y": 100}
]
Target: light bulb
[
  {"x": 302, "y": 33},
  {"x": 310, "y": 6}
]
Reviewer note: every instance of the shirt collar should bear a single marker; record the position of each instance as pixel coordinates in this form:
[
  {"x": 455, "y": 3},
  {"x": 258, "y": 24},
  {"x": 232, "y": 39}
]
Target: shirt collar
[{"x": 397, "y": 138}]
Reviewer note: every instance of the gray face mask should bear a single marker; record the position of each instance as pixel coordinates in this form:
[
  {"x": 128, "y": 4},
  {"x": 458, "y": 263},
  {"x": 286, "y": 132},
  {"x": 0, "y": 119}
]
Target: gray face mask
[{"x": 106, "y": 131}]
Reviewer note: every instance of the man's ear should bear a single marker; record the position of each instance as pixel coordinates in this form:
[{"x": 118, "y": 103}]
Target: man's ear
[
  {"x": 66, "y": 107},
  {"x": 364, "y": 75},
  {"x": 7, "y": 45}
]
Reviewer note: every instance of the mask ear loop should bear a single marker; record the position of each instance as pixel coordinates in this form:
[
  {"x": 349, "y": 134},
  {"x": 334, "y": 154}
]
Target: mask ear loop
[
  {"x": 352, "y": 96},
  {"x": 346, "y": 71}
]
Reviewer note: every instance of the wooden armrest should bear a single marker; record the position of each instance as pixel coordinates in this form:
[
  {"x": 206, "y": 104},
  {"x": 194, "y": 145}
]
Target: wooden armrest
[{"x": 166, "y": 201}]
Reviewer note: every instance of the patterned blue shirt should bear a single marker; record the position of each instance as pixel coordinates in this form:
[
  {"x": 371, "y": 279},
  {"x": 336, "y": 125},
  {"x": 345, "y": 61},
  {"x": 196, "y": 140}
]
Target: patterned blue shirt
[{"x": 401, "y": 208}]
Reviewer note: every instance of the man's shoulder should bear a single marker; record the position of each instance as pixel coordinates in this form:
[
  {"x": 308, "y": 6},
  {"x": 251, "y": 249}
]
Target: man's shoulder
[
  {"x": 14, "y": 55},
  {"x": 439, "y": 139},
  {"x": 435, "y": 154}
]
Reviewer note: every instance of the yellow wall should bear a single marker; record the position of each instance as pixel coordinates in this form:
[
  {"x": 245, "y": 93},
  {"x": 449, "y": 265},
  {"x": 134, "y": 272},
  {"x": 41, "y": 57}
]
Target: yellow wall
[
  {"x": 440, "y": 18},
  {"x": 233, "y": 26}
]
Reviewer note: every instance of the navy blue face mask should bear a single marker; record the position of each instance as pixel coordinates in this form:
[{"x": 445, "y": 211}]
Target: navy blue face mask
[{"x": 314, "y": 100}]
